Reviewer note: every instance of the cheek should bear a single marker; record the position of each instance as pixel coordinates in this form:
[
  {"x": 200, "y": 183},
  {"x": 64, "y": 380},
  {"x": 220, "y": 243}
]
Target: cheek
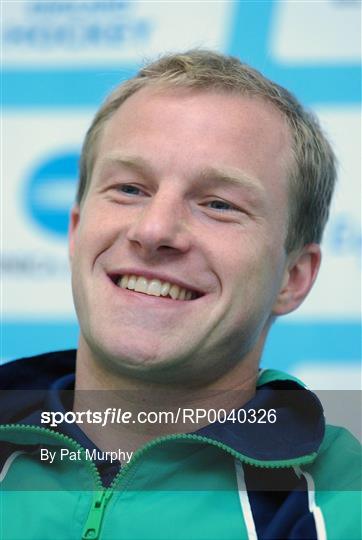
[
  {"x": 251, "y": 272},
  {"x": 240, "y": 255},
  {"x": 97, "y": 232}
]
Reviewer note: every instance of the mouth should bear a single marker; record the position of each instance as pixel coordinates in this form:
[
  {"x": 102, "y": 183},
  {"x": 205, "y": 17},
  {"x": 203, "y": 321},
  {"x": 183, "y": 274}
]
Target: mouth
[{"x": 155, "y": 287}]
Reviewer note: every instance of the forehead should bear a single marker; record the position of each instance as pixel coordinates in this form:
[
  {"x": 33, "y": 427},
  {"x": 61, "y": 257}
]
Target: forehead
[{"x": 189, "y": 127}]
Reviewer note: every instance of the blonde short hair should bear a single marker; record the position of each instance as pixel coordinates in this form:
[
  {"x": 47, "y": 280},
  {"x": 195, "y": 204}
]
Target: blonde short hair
[{"x": 313, "y": 174}]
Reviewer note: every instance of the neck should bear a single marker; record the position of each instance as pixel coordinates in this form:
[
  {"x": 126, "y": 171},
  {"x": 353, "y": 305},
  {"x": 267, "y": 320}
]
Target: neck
[{"x": 169, "y": 408}]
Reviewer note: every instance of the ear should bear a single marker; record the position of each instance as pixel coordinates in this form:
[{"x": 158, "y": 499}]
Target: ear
[
  {"x": 73, "y": 227},
  {"x": 299, "y": 276}
]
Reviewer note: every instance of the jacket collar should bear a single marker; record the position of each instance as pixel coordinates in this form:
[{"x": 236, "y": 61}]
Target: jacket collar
[{"x": 36, "y": 384}]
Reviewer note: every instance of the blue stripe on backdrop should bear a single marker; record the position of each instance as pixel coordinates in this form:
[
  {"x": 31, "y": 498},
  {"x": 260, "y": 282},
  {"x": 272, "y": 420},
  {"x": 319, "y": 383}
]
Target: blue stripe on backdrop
[
  {"x": 88, "y": 88},
  {"x": 249, "y": 39},
  {"x": 60, "y": 88},
  {"x": 288, "y": 343},
  {"x": 291, "y": 343},
  {"x": 27, "y": 338}
]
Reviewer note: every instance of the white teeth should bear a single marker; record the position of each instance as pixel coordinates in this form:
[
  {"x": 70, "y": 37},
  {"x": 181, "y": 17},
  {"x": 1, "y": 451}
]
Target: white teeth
[
  {"x": 154, "y": 287},
  {"x": 174, "y": 292},
  {"x": 182, "y": 294},
  {"x": 165, "y": 289},
  {"x": 124, "y": 282},
  {"x": 141, "y": 285},
  {"x": 131, "y": 282}
]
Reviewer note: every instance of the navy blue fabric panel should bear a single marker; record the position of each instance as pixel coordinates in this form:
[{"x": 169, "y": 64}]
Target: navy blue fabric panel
[
  {"x": 37, "y": 372},
  {"x": 283, "y": 513},
  {"x": 298, "y": 430}
]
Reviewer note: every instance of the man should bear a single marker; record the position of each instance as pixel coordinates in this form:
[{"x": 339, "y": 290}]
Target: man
[{"x": 204, "y": 190}]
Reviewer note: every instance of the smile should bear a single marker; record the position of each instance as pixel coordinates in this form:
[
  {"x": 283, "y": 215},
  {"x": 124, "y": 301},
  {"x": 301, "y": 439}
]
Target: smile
[{"x": 155, "y": 287}]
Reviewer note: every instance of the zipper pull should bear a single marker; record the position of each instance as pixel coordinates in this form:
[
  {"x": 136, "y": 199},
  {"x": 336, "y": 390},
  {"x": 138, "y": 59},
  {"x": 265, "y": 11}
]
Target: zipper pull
[{"x": 95, "y": 516}]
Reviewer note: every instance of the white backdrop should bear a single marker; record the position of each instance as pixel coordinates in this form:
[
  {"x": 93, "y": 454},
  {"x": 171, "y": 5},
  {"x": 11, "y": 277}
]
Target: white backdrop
[{"x": 59, "y": 61}]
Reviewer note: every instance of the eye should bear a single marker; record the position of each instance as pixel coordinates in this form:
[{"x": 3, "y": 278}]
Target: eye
[
  {"x": 218, "y": 204},
  {"x": 129, "y": 189}
]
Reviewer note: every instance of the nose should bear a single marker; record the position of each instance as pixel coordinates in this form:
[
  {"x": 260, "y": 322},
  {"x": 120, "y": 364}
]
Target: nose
[{"x": 160, "y": 227}]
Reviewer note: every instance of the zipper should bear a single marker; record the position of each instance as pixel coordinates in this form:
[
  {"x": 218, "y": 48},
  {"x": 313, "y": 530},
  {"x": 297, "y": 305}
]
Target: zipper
[
  {"x": 102, "y": 495},
  {"x": 95, "y": 517}
]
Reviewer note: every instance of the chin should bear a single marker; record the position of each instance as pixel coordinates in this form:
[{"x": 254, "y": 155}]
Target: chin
[{"x": 135, "y": 359}]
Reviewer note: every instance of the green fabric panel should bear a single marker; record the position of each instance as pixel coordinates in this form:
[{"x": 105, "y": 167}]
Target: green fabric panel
[
  {"x": 176, "y": 515},
  {"x": 341, "y": 512},
  {"x": 178, "y": 498},
  {"x": 43, "y": 515},
  {"x": 339, "y": 463},
  {"x": 270, "y": 375},
  {"x": 337, "y": 479}
]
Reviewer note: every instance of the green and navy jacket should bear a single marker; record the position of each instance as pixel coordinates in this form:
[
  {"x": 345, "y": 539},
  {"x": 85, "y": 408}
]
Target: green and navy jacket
[{"x": 295, "y": 479}]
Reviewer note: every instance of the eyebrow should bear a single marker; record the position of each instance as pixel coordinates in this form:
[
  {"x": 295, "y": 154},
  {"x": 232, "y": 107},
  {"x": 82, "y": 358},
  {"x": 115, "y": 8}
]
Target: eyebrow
[
  {"x": 231, "y": 175},
  {"x": 132, "y": 162}
]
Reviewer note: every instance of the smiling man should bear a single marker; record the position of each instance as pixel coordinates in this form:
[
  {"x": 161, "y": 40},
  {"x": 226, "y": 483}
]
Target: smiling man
[
  {"x": 203, "y": 195},
  {"x": 178, "y": 200}
]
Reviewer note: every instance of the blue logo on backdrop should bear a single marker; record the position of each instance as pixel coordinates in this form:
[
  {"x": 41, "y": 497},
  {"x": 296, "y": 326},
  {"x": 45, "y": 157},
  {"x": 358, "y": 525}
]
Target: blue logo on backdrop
[{"x": 51, "y": 191}]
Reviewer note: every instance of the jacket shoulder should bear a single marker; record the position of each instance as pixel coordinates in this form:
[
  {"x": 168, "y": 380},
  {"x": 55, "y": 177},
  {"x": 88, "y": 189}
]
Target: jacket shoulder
[
  {"x": 36, "y": 372},
  {"x": 338, "y": 465}
]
